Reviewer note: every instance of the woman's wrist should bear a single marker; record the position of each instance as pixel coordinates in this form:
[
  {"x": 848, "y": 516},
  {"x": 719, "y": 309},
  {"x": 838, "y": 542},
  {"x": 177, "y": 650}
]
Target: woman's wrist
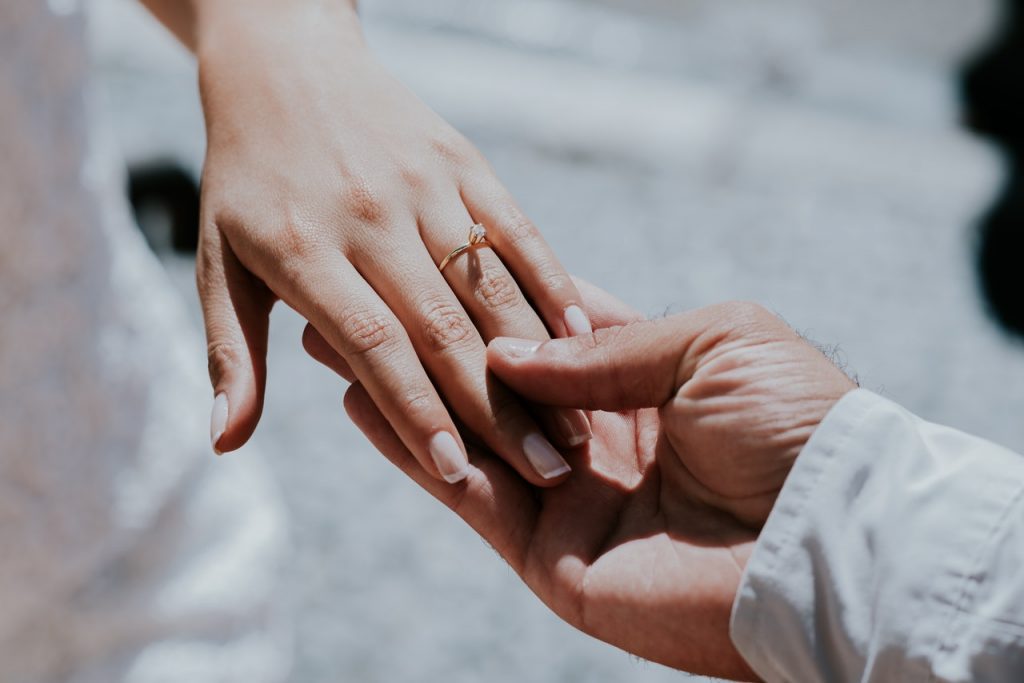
[
  {"x": 229, "y": 26},
  {"x": 266, "y": 54}
]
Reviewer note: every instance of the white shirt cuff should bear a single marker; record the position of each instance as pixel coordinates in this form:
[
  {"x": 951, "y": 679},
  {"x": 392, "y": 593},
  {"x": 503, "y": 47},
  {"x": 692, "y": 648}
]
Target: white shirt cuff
[{"x": 893, "y": 553}]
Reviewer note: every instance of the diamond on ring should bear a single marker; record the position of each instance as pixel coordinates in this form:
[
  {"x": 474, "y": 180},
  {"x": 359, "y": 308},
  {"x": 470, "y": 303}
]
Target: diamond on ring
[{"x": 477, "y": 237}]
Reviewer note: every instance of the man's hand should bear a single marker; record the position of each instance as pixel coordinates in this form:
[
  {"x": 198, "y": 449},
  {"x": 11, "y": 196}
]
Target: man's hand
[
  {"x": 620, "y": 550},
  {"x": 645, "y": 545},
  {"x": 738, "y": 393}
]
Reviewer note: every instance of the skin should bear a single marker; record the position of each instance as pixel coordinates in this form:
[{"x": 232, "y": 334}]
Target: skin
[
  {"x": 344, "y": 215},
  {"x": 738, "y": 394},
  {"x": 700, "y": 418},
  {"x": 330, "y": 186}
]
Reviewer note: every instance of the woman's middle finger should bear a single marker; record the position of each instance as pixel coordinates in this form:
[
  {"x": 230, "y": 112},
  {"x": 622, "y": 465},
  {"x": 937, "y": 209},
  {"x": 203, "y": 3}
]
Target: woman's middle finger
[
  {"x": 478, "y": 277},
  {"x": 332, "y": 295},
  {"x": 455, "y": 356},
  {"x": 493, "y": 298}
]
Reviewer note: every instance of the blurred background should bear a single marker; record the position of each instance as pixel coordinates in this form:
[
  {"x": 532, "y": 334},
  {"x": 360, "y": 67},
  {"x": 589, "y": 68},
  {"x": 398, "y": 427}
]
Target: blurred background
[{"x": 815, "y": 156}]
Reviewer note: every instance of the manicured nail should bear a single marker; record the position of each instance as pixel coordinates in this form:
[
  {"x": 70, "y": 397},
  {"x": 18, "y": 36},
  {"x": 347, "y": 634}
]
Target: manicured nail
[
  {"x": 577, "y": 322},
  {"x": 218, "y": 420},
  {"x": 450, "y": 460},
  {"x": 575, "y": 426},
  {"x": 544, "y": 458},
  {"x": 515, "y": 348}
]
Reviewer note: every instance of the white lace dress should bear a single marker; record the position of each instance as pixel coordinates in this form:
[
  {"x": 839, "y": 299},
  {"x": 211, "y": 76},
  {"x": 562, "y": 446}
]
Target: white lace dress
[{"x": 127, "y": 551}]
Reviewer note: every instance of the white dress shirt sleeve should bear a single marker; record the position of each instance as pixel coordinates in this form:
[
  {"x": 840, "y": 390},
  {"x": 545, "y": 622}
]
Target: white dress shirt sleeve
[{"x": 895, "y": 552}]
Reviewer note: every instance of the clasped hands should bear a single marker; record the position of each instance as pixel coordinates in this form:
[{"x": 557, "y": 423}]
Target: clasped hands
[
  {"x": 329, "y": 186},
  {"x": 697, "y": 420}
]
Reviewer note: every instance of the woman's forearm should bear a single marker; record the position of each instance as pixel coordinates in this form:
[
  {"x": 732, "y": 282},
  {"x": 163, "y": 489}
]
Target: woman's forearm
[
  {"x": 194, "y": 21},
  {"x": 329, "y": 185}
]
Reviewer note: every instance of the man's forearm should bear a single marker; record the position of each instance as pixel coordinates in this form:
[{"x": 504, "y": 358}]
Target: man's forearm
[
  {"x": 191, "y": 20},
  {"x": 892, "y": 554}
]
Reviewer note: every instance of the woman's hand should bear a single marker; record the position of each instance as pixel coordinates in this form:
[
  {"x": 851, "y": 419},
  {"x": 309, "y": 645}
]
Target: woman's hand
[
  {"x": 330, "y": 186},
  {"x": 623, "y": 550}
]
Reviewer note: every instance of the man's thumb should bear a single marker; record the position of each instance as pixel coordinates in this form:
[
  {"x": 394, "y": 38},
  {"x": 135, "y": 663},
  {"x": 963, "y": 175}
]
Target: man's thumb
[{"x": 638, "y": 365}]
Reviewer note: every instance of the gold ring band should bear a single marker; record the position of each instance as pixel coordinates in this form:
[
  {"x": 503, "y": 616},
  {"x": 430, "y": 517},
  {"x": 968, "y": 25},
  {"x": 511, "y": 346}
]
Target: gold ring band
[{"x": 477, "y": 238}]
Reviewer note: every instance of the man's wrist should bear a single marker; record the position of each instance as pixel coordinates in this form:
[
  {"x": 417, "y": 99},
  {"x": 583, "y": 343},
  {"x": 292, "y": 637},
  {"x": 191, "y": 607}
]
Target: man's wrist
[{"x": 778, "y": 588}]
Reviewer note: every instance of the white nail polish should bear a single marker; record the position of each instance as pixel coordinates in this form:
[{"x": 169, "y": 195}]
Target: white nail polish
[
  {"x": 544, "y": 458},
  {"x": 218, "y": 420},
  {"x": 577, "y": 322},
  {"x": 516, "y": 348},
  {"x": 575, "y": 426},
  {"x": 450, "y": 460}
]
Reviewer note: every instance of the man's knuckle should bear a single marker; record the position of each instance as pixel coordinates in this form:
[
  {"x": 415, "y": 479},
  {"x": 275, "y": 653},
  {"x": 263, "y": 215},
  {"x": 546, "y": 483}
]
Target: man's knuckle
[
  {"x": 748, "y": 310},
  {"x": 748, "y": 318},
  {"x": 445, "y": 325}
]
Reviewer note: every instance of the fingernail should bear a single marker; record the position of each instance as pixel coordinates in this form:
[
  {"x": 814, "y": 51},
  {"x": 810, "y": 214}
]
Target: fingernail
[
  {"x": 218, "y": 420},
  {"x": 516, "y": 348},
  {"x": 577, "y": 322},
  {"x": 450, "y": 460},
  {"x": 575, "y": 426},
  {"x": 544, "y": 458}
]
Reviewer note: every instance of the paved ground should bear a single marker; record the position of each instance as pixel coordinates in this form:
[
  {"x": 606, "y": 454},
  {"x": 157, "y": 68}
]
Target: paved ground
[{"x": 795, "y": 153}]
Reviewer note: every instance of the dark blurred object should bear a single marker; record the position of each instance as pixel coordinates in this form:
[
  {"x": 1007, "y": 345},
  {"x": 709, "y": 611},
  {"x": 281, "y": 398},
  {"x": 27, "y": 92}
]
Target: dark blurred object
[
  {"x": 993, "y": 87},
  {"x": 165, "y": 199},
  {"x": 1001, "y": 254}
]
